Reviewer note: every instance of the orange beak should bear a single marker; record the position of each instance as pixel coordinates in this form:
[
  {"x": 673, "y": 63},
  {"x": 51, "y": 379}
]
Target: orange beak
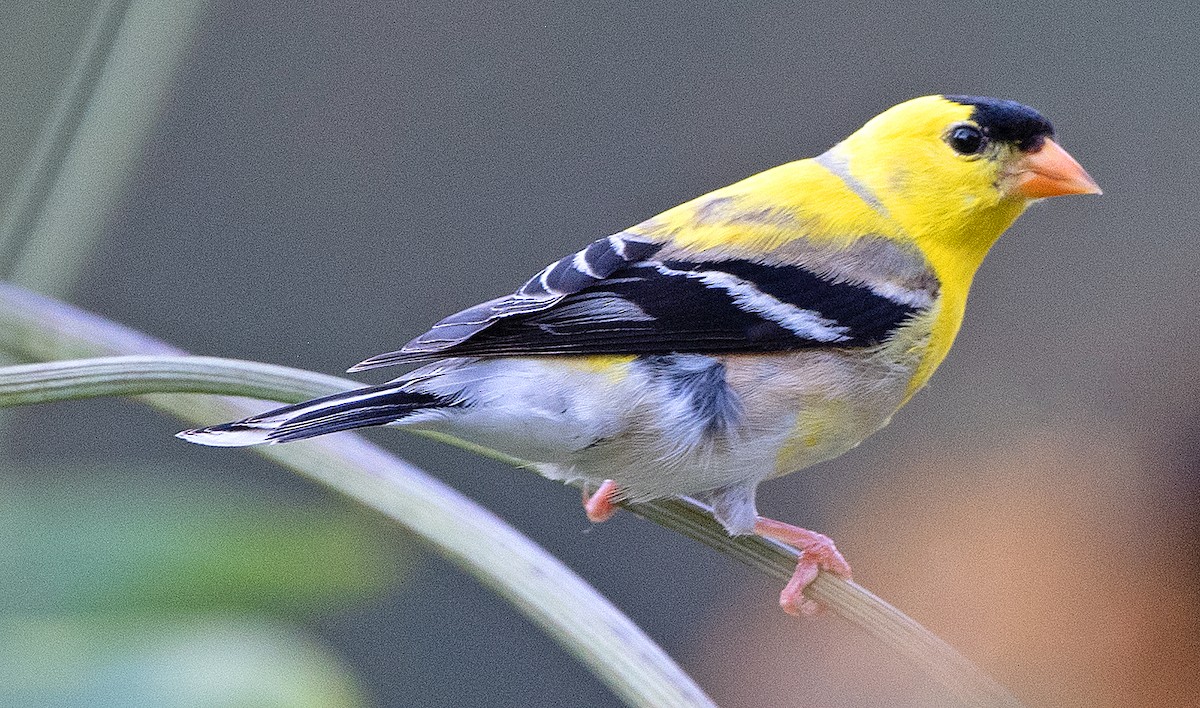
[{"x": 1050, "y": 172}]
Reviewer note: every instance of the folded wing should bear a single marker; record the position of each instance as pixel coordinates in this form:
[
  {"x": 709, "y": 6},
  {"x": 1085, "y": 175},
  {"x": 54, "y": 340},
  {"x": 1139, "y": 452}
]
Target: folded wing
[{"x": 614, "y": 297}]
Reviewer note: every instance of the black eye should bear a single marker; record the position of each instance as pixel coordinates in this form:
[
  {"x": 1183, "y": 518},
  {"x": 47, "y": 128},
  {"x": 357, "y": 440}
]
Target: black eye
[{"x": 966, "y": 140}]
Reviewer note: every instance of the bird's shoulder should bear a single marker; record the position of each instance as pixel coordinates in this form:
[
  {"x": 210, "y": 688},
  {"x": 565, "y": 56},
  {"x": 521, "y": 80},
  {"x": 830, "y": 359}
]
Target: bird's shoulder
[{"x": 813, "y": 200}]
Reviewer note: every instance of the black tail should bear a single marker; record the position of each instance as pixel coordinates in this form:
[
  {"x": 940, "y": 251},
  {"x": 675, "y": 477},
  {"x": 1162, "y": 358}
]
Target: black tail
[{"x": 374, "y": 405}]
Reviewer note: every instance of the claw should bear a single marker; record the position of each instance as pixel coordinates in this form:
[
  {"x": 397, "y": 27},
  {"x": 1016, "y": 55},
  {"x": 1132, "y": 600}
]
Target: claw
[{"x": 817, "y": 553}]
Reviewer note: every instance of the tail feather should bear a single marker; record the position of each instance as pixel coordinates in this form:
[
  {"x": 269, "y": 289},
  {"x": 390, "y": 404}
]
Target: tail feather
[{"x": 374, "y": 405}]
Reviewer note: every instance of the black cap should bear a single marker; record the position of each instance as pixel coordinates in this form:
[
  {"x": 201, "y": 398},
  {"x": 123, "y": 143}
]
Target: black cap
[{"x": 1008, "y": 121}]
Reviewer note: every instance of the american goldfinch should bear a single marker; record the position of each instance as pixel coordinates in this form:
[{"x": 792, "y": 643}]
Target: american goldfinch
[{"x": 748, "y": 333}]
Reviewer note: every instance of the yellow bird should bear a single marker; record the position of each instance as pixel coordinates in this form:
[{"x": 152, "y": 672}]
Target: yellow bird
[{"x": 748, "y": 333}]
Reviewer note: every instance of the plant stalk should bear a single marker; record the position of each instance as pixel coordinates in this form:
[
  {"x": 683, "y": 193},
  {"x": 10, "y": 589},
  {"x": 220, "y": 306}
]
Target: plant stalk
[
  {"x": 568, "y": 609},
  {"x": 37, "y": 328}
]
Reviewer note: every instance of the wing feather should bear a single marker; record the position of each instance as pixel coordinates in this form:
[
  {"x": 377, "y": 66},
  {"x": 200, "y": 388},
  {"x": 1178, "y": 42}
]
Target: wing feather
[{"x": 612, "y": 298}]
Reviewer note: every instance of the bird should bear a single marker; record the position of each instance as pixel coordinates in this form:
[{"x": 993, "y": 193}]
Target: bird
[{"x": 748, "y": 333}]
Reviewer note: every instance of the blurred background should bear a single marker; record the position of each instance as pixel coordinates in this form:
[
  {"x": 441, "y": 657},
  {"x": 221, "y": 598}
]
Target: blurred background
[{"x": 313, "y": 183}]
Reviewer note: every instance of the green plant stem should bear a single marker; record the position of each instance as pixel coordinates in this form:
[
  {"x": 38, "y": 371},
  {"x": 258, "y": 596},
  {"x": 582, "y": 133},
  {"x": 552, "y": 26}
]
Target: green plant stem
[
  {"x": 33, "y": 184},
  {"x": 136, "y": 375},
  {"x": 122, "y": 73},
  {"x": 36, "y": 328},
  {"x": 536, "y": 583}
]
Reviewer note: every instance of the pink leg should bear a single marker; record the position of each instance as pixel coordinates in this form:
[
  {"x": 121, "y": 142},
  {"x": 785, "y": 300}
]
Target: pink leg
[
  {"x": 817, "y": 553},
  {"x": 600, "y": 505}
]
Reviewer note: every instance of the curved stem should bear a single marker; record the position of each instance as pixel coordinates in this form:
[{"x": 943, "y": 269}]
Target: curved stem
[
  {"x": 33, "y": 184},
  {"x": 532, "y": 580},
  {"x": 123, "y": 72},
  {"x": 136, "y": 375},
  {"x": 63, "y": 330}
]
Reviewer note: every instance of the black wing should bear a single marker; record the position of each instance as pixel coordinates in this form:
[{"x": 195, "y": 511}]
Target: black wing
[{"x": 611, "y": 299}]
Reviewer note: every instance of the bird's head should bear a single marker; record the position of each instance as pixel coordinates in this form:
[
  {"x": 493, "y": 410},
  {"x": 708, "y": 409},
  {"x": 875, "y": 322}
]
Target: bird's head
[{"x": 955, "y": 171}]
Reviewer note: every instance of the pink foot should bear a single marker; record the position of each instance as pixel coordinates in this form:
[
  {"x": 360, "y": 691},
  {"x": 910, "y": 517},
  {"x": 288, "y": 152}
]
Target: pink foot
[
  {"x": 600, "y": 506},
  {"x": 817, "y": 553}
]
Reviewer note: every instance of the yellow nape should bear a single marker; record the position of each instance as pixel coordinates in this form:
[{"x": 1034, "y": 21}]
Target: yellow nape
[{"x": 799, "y": 199}]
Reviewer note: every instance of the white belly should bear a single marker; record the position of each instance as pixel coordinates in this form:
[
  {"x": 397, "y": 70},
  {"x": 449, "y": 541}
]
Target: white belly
[{"x": 629, "y": 421}]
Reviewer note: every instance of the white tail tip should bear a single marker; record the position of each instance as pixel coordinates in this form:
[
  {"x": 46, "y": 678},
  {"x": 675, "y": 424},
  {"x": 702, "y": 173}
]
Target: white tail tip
[{"x": 225, "y": 438}]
